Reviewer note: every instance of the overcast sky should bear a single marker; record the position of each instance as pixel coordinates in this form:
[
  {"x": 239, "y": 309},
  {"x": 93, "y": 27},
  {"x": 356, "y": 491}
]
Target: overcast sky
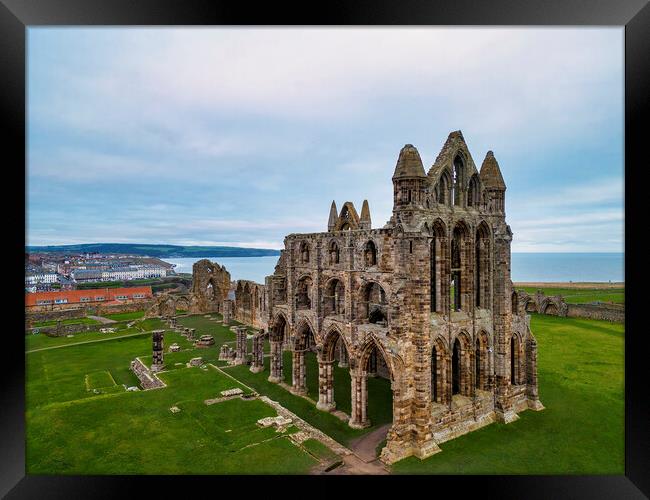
[{"x": 240, "y": 136}]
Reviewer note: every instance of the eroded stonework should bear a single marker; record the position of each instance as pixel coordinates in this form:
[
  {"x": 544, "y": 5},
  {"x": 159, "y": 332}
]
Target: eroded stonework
[
  {"x": 210, "y": 286},
  {"x": 426, "y": 301}
]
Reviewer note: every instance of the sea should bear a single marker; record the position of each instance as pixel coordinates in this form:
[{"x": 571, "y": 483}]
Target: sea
[{"x": 525, "y": 267}]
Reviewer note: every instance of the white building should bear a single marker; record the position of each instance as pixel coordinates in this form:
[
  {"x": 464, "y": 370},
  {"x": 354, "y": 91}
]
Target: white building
[{"x": 41, "y": 277}]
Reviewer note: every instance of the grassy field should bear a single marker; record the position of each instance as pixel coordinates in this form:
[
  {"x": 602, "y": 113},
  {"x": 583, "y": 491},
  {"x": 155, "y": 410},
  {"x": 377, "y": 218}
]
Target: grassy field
[
  {"x": 582, "y": 295},
  {"x": 80, "y": 419},
  {"x": 581, "y": 431},
  {"x": 125, "y": 316}
]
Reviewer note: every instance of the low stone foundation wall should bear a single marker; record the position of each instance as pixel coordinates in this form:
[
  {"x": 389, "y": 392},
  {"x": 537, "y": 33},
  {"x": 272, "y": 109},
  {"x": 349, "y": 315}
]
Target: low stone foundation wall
[
  {"x": 140, "y": 305},
  {"x": 607, "y": 312},
  {"x": 147, "y": 379},
  {"x": 61, "y": 330},
  {"x": 32, "y": 316}
]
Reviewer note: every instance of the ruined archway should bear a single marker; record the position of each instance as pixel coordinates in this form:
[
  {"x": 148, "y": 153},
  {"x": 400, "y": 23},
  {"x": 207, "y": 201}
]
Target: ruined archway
[
  {"x": 277, "y": 337},
  {"x": 334, "y": 298},
  {"x": 302, "y": 348},
  {"x": 334, "y": 381},
  {"x": 461, "y": 366},
  {"x": 439, "y": 372},
  {"x": 371, "y": 397},
  {"x": 373, "y": 306}
]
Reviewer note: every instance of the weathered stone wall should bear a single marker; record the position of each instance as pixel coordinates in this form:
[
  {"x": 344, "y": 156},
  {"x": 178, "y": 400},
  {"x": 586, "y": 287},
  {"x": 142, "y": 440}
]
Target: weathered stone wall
[
  {"x": 250, "y": 304},
  {"x": 210, "y": 285},
  {"x": 32, "y": 316},
  {"x": 607, "y": 312},
  {"x": 130, "y": 306},
  {"x": 61, "y": 330}
]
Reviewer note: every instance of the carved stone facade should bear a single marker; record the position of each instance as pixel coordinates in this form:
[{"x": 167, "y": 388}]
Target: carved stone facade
[{"x": 427, "y": 301}]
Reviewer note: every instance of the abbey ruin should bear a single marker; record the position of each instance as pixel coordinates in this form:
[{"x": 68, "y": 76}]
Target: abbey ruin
[
  {"x": 426, "y": 301},
  {"x": 428, "y": 298}
]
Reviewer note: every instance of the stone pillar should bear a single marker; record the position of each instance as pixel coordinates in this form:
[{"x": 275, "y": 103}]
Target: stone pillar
[
  {"x": 531, "y": 375},
  {"x": 258, "y": 353},
  {"x": 359, "y": 418},
  {"x": 227, "y": 311},
  {"x": 158, "y": 349},
  {"x": 325, "y": 386},
  {"x": 276, "y": 361},
  {"x": 191, "y": 333},
  {"x": 242, "y": 346},
  {"x": 299, "y": 374},
  {"x": 343, "y": 355}
]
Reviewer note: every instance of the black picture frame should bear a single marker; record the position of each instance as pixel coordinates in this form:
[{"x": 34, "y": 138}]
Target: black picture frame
[{"x": 17, "y": 15}]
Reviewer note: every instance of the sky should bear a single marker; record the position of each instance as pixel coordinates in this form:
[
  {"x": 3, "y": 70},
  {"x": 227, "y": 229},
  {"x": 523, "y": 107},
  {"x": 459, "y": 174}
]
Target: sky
[{"x": 240, "y": 136}]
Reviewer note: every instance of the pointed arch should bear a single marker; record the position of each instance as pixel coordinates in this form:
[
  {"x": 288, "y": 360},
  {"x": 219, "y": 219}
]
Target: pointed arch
[
  {"x": 438, "y": 271},
  {"x": 334, "y": 253},
  {"x": 482, "y": 266},
  {"x": 439, "y": 371},
  {"x": 370, "y": 254},
  {"x": 461, "y": 275},
  {"x": 334, "y": 297},
  {"x": 304, "y": 252}
]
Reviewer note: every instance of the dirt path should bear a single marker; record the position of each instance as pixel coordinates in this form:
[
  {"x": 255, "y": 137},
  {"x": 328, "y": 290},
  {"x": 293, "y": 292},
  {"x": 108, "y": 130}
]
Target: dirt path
[{"x": 365, "y": 447}]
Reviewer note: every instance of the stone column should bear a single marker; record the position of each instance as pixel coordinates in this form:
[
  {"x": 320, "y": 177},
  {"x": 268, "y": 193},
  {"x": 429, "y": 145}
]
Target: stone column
[
  {"x": 158, "y": 349},
  {"x": 531, "y": 375},
  {"x": 276, "y": 361},
  {"x": 359, "y": 418},
  {"x": 325, "y": 386},
  {"x": 299, "y": 373},
  {"x": 242, "y": 346},
  {"x": 258, "y": 353},
  {"x": 343, "y": 355}
]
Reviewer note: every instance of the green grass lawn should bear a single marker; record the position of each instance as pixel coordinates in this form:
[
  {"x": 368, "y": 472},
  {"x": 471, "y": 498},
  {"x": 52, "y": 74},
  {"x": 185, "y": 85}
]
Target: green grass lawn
[
  {"x": 73, "y": 430},
  {"x": 80, "y": 419},
  {"x": 582, "y": 295},
  {"x": 41, "y": 341},
  {"x": 125, "y": 316},
  {"x": 379, "y": 397},
  {"x": 71, "y": 321},
  {"x": 581, "y": 431}
]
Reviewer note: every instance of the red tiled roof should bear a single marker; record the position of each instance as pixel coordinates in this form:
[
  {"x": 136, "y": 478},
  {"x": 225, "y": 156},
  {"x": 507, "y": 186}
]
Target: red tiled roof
[{"x": 75, "y": 296}]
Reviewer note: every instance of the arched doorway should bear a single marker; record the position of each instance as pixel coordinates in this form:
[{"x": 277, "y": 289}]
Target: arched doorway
[
  {"x": 461, "y": 367},
  {"x": 334, "y": 298},
  {"x": 277, "y": 337},
  {"x": 302, "y": 349},
  {"x": 439, "y": 363},
  {"x": 333, "y": 378},
  {"x": 371, "y": 397}
]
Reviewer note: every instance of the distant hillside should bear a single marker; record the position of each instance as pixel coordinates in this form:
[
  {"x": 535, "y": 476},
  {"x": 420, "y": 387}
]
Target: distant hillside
[{"x": 161, "y": 251}]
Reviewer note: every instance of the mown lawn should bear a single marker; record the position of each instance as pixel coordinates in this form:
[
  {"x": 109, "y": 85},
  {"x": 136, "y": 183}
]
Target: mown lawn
[
  {"x": 125, "y": 316},
  {"x": 379, "y": 397},
  {"x": 73, "y": 430},
  {"x": 581, "y": 431},
  {"x": 582, "y": 295}
]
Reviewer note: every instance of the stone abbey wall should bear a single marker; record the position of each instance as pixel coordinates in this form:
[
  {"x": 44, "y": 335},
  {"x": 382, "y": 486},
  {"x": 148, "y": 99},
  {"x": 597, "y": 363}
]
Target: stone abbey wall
[
  {"x": 250, "y": 304},
  {"x": 607, "y": 312},
  {"x": 381, "y": 299}
]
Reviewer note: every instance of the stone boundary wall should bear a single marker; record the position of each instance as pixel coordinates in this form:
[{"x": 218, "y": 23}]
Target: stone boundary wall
[
  {"x": 607, "y": 312},
  {"x": 146, "y": 378},
  {"x": 556, "y": 305},
  {"x": 140, "y": 305},
  {"x": 32, "y": 316}
]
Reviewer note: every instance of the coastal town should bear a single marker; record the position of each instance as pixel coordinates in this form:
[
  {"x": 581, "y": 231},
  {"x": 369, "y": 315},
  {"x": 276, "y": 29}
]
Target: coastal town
[{"x": 48, "y": 271}]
